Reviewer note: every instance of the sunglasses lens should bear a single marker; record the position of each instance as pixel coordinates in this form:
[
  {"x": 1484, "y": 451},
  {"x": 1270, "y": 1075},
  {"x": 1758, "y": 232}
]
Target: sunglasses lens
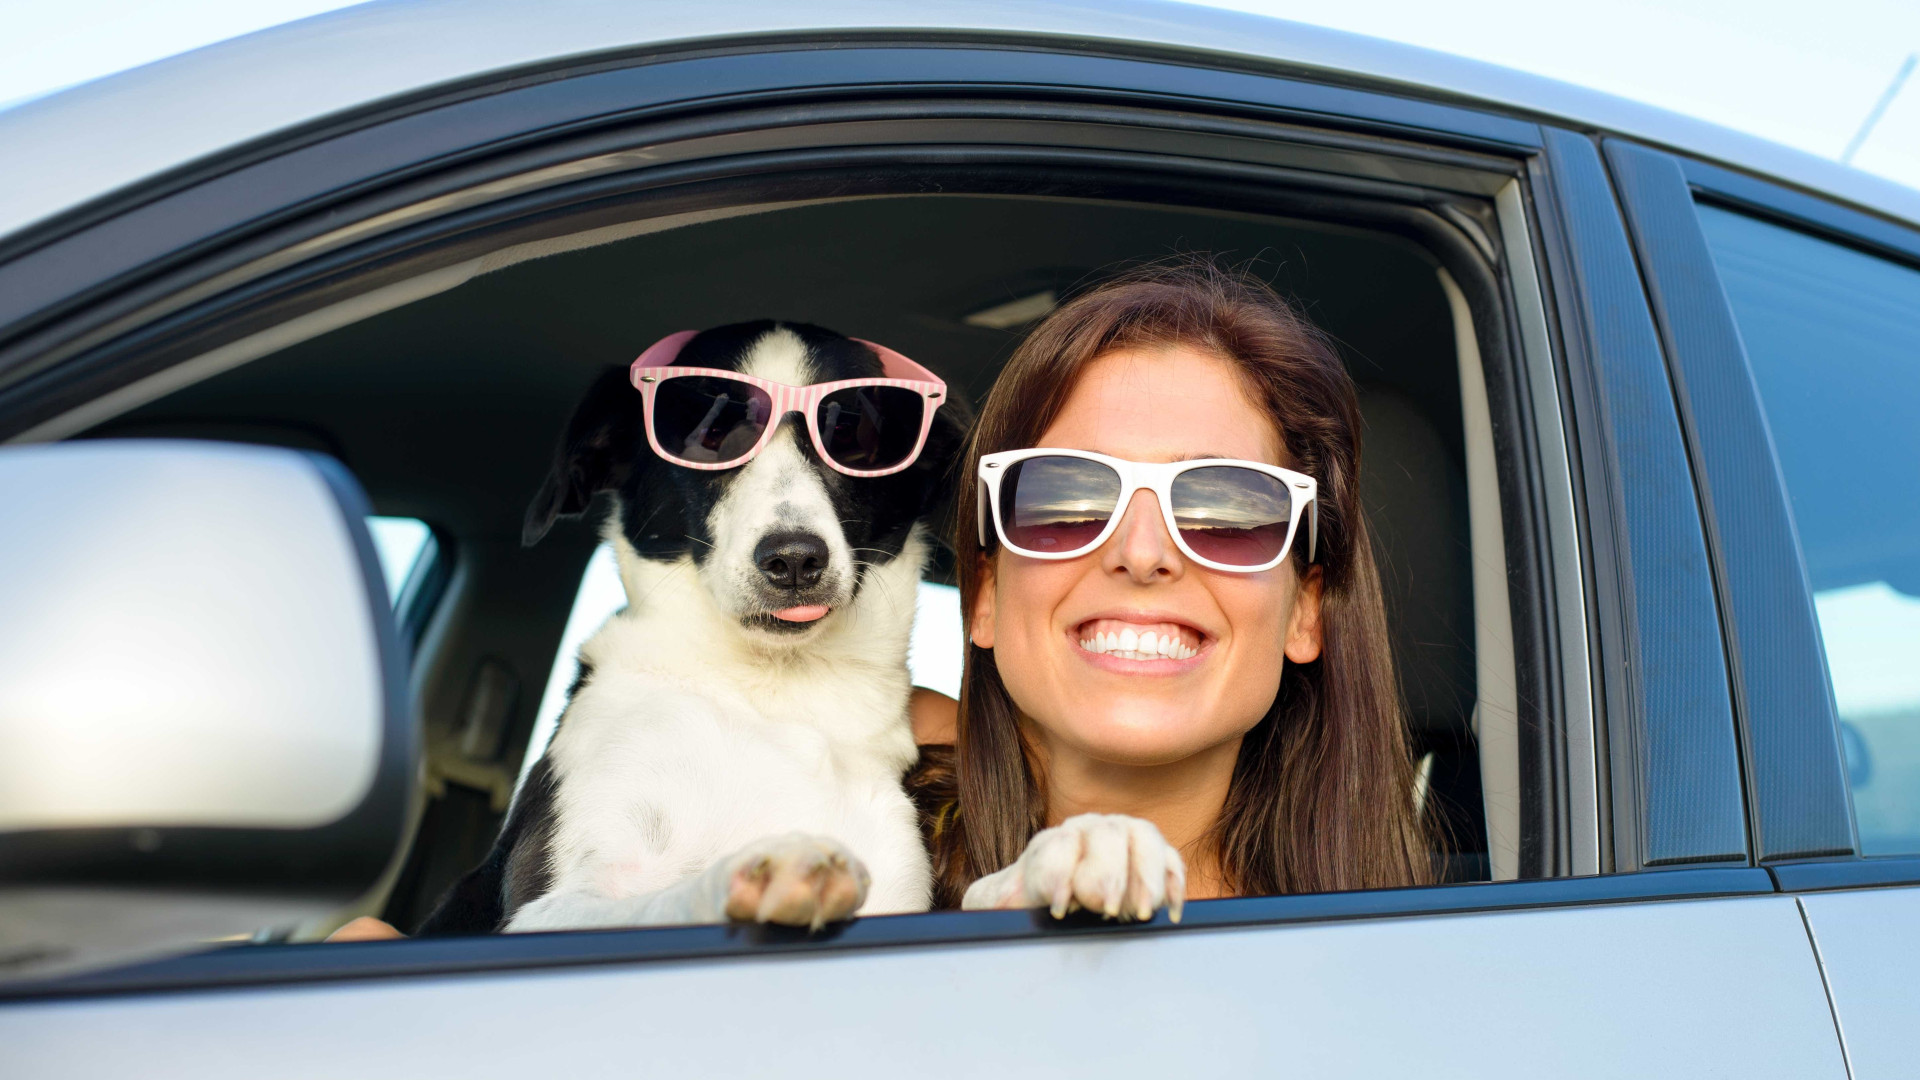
[
  {"x": 871, "y": 427},
  {"x": 1232, "y": 516},
  {"x": 1057, "y": 505},
  {"x": 708, "y": 420}
]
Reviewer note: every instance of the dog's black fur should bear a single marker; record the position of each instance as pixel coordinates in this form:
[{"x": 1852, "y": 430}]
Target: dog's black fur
[{"x": 664, "y": 512}]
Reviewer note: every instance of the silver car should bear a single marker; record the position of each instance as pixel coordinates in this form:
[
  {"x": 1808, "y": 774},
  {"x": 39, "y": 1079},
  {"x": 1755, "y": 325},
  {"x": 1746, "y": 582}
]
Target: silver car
[{"x": 1643, "y": 470}]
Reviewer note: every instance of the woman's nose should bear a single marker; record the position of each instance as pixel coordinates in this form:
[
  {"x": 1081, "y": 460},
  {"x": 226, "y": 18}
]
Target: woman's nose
[{"x": 1140, "y": 547}]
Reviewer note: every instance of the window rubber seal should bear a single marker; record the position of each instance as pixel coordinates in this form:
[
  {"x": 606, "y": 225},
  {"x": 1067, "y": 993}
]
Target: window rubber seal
[{"x": 258, "y": 965}]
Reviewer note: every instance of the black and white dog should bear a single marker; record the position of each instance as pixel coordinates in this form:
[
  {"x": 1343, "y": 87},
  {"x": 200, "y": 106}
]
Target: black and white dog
[{"x": 715, "y": 762}]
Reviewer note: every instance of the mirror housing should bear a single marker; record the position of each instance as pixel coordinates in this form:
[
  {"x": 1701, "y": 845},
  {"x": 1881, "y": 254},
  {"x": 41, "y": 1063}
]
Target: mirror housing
[{"x": 204, "y": 726}]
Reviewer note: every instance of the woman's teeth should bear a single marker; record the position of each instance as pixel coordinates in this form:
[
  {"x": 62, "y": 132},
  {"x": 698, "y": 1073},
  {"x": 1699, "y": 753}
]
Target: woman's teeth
[{"x": 1132, "y": 643}]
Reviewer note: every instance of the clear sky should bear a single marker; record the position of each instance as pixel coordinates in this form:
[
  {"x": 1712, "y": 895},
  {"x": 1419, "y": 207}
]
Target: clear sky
[{"x": 1802, "y": 73}]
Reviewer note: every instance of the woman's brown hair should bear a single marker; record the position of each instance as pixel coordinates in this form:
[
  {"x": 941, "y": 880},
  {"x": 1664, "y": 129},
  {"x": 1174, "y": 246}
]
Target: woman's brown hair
[{"x": 1322, "y": 793}]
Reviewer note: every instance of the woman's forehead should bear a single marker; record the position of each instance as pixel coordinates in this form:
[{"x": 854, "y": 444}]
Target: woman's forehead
[{"x": 1166, "y": 404}]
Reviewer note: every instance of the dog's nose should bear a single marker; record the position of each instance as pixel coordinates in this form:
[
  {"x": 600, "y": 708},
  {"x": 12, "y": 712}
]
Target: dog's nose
[{"x": 791, "y": 560}]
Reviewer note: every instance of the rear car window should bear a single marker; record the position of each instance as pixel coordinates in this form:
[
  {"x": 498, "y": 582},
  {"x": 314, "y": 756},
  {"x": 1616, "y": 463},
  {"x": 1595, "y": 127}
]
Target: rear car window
[
  {"x": 1834, "y": 344},
  {"x": 402, "y": 542}
]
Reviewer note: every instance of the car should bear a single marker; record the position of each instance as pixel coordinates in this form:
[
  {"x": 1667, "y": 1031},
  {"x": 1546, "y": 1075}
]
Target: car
[{"x": 1638, "y": 395}]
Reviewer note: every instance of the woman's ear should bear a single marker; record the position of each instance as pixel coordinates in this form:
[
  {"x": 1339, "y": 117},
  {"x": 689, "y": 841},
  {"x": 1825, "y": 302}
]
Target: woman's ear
[
  {"x": 980, "y": 626},
  {"x": 1303, "y": 626}
]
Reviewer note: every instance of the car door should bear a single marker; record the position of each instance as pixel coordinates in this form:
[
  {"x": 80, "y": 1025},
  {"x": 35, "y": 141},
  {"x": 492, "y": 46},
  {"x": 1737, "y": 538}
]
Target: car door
[
  {"x": 1629, "y": 929},
  {"x": 1792, "y": 325}
]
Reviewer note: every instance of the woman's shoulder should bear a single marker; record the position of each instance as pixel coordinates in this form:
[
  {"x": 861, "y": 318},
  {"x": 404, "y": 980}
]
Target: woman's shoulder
[{"x": 935, "y": 717}]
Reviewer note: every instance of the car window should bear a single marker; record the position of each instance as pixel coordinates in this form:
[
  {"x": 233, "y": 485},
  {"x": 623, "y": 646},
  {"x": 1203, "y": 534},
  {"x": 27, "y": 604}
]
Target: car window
[
  {"x": 401, "y": 542},
  {"x": 487, "y": 707},
  {"x": 1834, "y": 344},
  {"x": 933, "y": 654}
]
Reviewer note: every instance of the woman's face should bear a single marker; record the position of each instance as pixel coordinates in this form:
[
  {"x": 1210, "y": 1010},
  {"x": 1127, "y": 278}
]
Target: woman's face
[{"x": 1158, "y": 405}]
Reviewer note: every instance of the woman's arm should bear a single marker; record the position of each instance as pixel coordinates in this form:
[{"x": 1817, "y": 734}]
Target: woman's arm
[{"x": 365, "y": 928}]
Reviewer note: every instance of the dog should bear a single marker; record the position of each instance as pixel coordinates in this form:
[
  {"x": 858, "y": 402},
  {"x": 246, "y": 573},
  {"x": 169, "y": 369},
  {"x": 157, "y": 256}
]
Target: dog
[{"x": 716, "y": 761}]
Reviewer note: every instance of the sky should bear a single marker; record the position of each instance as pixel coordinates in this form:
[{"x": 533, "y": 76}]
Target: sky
[
  {"x": 1801, "y": 73},
  {"x": 1806, "y": 74}
]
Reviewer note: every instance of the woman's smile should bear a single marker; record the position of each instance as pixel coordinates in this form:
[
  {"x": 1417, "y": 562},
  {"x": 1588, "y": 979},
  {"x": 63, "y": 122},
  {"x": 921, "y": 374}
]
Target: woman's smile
[{"x": 1141, "y": 643}]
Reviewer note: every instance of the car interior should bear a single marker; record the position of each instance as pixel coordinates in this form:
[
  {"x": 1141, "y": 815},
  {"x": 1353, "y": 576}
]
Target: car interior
[{"x": 447, "y": 408}]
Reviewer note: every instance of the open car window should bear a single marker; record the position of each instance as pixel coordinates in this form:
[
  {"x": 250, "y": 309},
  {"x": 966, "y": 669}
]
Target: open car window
[
  {"x": 402, "y": 543},
  {"x": 500, "y": 370}
]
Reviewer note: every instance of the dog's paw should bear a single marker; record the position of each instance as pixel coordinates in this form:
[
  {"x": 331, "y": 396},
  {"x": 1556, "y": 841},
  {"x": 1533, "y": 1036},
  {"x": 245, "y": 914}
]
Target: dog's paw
[
  {"x": 1116, "y": 865},
  {"x": 795, "y": 880}
]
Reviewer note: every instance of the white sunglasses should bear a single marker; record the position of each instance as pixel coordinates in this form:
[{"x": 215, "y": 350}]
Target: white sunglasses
[{"x": 1223, "y": 513}]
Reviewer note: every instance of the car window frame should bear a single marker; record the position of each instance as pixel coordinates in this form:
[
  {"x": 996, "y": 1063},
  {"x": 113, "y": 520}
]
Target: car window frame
[
  {"x": 262, "y": 965},
  {"x": 1795, "y": 768},
  {"x": 425, "y": 586},
  {"x": 1553, "y": 210},
  {"x": 1673, "y": 780}
]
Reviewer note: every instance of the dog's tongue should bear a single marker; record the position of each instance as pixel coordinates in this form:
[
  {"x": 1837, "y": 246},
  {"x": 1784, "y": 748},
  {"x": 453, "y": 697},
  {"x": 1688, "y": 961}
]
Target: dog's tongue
[{"x": 803, "y": 613}]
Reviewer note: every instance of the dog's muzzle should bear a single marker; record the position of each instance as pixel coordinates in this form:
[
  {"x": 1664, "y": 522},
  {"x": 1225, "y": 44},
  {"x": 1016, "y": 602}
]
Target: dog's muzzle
[{"x": 794, "y": 582}]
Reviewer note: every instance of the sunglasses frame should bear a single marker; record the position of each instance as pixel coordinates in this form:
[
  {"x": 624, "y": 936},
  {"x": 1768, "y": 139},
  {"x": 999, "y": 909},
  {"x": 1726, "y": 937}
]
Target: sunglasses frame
[
  {"x": 1158, "y": 478},
  {"x": 653, "y": 368}
]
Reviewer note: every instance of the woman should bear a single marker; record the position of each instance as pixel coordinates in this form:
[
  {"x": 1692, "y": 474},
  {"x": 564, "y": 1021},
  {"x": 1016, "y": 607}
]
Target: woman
[
  {"x": 1255, "y": 744},
  {"x": 1136, "y": 726}
]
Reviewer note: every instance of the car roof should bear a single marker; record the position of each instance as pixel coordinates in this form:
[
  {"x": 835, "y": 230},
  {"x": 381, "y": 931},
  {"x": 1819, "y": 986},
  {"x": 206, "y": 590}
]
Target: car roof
[{"x": 78, "y": 145}]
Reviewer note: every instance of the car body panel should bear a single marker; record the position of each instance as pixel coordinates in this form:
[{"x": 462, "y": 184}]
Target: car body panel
[
  {"x": 448, "y": 157},
  {"x": 1869, "y": 945},
  {"x": 1683, "y": 988}
]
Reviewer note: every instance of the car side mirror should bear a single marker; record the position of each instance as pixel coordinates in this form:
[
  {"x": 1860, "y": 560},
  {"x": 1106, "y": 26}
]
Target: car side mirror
[{"x": 204, "y": 727}]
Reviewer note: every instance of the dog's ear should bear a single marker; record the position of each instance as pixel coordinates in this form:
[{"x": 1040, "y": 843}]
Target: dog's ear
[
  {"x": 595, "y": 454},
  {"x": 941, "y": 456}
]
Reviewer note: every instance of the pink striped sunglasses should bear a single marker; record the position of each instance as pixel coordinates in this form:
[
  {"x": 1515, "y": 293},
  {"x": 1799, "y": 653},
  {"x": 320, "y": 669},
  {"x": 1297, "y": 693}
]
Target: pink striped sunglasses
[{"x": 709, "y": 418}]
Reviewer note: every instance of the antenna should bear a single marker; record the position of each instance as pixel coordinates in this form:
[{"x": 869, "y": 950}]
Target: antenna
[{"x": 1879, "y": 108}]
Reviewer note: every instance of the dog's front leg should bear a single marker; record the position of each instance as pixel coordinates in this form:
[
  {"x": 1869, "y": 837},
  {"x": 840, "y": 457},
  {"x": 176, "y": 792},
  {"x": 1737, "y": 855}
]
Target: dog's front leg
[
  {"x": 1117, "y": 865},
  {"x": 793, "y": 880}
]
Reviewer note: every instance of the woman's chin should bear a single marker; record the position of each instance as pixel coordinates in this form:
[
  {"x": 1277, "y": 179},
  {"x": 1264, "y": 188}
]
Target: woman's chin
[{"x": 1138, "y": 740}]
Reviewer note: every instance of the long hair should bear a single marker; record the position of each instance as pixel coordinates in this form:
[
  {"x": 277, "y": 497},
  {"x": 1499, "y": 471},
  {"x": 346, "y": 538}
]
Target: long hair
[{"x": 1321, "y": 797}]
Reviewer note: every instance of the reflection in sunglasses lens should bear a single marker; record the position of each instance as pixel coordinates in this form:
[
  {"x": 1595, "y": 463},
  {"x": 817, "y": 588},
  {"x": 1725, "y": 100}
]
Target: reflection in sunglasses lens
[
  {"x": 1231, "y": 515},
  {"x": 1055, "y": 505},
  {"x": 709, "y": 420},
  {"x": 871, "y": 427}
]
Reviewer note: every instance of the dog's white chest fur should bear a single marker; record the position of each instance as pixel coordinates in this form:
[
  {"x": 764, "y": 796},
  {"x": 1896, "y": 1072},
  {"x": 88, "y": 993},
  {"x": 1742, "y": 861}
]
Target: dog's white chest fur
[
  {"x": 717, "y": 773},
  {"x": 685, "y": 746}
]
